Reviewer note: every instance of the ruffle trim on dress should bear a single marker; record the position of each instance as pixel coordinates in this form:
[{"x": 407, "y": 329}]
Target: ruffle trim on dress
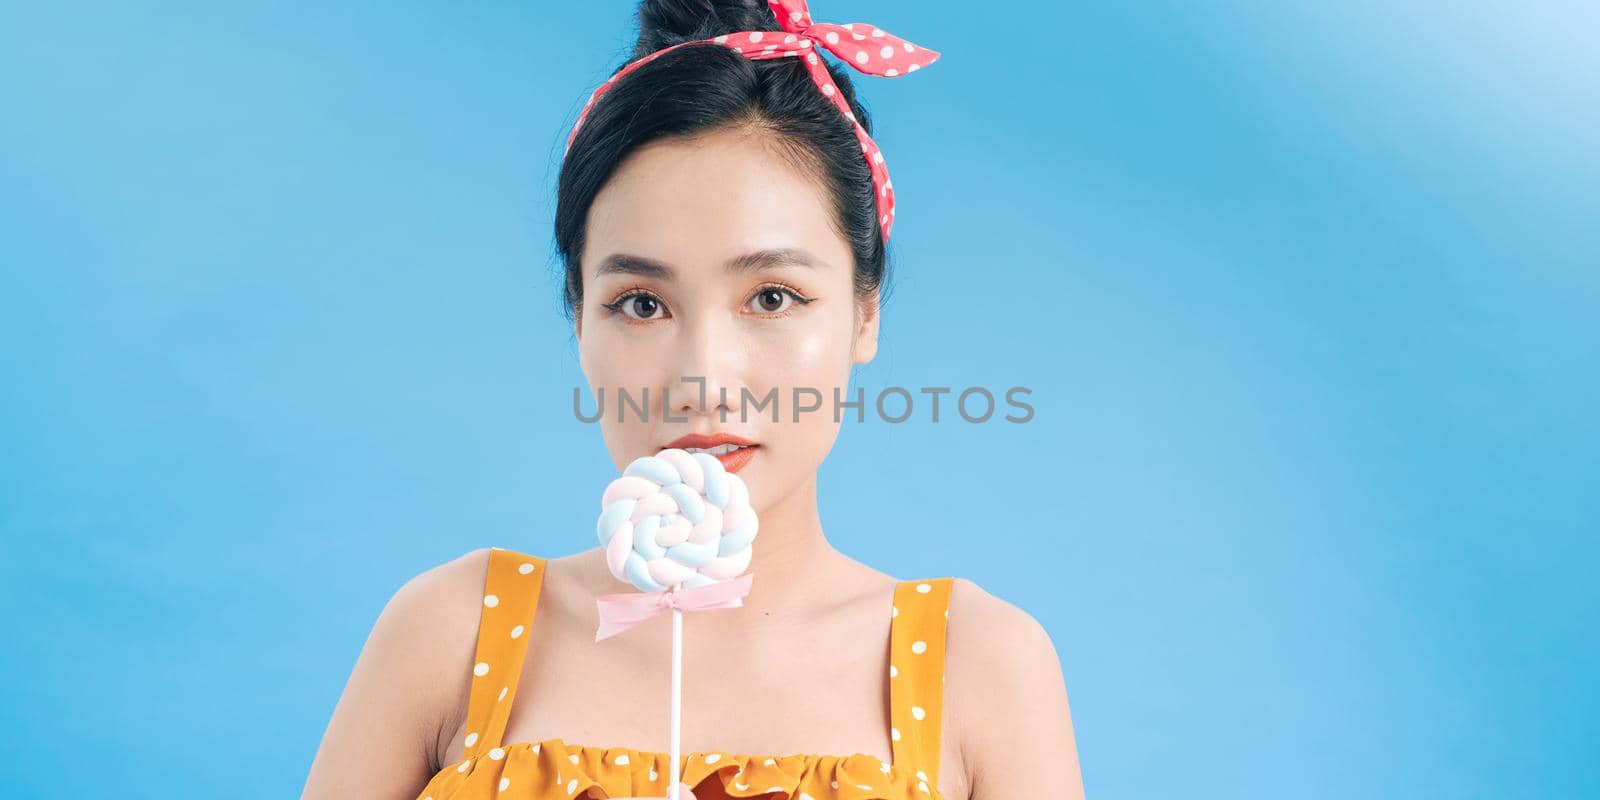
[{"x": 554, "y": 769}]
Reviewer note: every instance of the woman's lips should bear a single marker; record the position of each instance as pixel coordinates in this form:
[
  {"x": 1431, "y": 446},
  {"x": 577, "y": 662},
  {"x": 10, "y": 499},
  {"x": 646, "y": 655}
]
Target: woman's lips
[
  {"x": 735, "y": 460},
  {"x": 732, "y": 461}
]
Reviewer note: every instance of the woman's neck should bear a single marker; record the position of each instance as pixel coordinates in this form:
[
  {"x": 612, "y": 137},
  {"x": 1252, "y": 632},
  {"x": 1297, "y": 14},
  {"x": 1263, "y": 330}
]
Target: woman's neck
[{"x": 791, "y": 557}]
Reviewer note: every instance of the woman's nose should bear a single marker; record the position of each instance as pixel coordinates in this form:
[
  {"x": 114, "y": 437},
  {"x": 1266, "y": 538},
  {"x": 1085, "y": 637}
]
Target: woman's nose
[{"x": 709, "y": 362}]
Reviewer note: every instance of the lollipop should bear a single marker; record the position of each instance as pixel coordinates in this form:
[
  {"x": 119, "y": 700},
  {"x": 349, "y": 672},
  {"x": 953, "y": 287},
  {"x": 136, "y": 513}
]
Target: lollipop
[
  {"x": 676, "y": 519},
  {"x": 679, "y": 528}
]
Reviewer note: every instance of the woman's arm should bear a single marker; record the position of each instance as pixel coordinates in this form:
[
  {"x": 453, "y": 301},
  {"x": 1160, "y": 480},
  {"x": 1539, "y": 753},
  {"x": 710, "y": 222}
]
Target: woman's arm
[
  {"x": 382, "y": 738},
  {"x": 1007, "y": 684}
]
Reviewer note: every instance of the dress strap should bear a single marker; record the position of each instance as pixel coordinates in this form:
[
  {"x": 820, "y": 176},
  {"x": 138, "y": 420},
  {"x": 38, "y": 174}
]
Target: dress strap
[
  {"x": 916, "y": 674},
  {"x": 510, "y": 597}
]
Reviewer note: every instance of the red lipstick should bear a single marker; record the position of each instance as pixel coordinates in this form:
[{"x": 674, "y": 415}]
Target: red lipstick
[{"x": 738, "y": 453}]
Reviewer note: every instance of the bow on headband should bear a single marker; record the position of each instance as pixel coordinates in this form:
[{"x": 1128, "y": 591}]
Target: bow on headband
[
  {"x": 619, "y": 612},
  {"x": 866, "y": 48}
]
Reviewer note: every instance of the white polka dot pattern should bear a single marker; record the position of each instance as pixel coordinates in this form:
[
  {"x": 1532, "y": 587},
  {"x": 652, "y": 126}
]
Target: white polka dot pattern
[
  {"x": 510, "y": 596},
  {"x": 879, "y": 53},
  {"x": 916, "y": 690},
  {"x": 553, "y": 769}
]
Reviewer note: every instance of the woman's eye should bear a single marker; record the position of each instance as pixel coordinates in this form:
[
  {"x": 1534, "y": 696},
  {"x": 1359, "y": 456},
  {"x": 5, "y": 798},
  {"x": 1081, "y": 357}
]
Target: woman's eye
[
  {"x": 640, "y": 306},
  {"x": 771, "y": 300}
]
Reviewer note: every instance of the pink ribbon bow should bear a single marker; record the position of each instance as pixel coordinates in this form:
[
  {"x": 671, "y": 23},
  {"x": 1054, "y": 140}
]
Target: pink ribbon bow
[
  {"x": 619, "y": 612},
  {"x": 865, "y": 47}
]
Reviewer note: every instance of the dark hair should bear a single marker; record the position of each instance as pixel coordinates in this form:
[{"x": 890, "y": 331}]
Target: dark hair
[{"x": 698, "y": 89}]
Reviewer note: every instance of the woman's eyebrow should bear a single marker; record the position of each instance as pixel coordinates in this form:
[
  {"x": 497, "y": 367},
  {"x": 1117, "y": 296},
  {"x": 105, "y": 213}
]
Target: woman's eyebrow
[
  {"x": 780, "y": 257},
  {"x": 626, "y": 264}
]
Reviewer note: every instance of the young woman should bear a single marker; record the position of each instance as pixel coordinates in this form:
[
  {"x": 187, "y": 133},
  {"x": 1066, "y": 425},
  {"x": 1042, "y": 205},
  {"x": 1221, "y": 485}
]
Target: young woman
[{"x": 723, "y": 221}]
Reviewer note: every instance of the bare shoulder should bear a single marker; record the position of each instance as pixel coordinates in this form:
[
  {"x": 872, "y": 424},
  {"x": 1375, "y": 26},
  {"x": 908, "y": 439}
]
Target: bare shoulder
[
  {"x": 432, "y": 621},
  {"x": 985, "y": 619},
  {"x": 1006, "y": 692},
  {"x": 405, "y": 684},
  {"x": 441, "y": 604}
]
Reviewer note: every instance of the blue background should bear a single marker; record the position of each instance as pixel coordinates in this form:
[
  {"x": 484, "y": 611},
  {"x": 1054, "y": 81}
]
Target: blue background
[{"x": 1306, "y": 292}]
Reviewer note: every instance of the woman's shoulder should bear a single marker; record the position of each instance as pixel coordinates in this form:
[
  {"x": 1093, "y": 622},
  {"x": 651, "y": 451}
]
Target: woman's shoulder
[
  {"x": 461, "y": 577},
  {"x": 433, "y": 616},
  {"x": 430, "y": 623},
  {"x": 988, "y": 630},
  {"x": 445, "y": 600},
  {"x": 977, "y": 620},
  {"x": 406, "y": 686},
  {"x": 444, "y": 589},
  {"x": 1002, "y": 671}
]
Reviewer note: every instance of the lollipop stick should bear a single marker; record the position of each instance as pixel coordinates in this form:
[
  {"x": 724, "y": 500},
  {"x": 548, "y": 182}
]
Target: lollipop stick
[{"x": 677, "y": 673}]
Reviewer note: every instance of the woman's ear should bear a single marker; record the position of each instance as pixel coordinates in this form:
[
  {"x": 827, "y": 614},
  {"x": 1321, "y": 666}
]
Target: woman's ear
[{"x": 866, "y": 336}]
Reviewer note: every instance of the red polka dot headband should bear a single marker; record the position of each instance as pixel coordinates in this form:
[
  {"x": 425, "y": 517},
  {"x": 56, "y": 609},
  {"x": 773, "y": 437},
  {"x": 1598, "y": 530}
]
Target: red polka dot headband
[{"x": 874, "y": 53}]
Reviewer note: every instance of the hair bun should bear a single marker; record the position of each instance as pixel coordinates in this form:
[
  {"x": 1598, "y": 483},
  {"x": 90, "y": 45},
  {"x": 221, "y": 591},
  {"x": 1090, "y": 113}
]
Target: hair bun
[{"x": 663, "y": 23}]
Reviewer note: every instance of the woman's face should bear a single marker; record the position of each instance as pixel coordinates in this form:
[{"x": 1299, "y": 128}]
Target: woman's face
[{"x": 716, "y": 259}]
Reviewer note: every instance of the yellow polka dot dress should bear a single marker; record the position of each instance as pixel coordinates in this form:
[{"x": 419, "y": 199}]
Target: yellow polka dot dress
[{"x": 554, "y": 769}]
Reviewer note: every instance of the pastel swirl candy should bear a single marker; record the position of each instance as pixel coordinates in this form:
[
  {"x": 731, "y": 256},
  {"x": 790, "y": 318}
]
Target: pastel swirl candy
[{"x": 676, "y": 519}]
